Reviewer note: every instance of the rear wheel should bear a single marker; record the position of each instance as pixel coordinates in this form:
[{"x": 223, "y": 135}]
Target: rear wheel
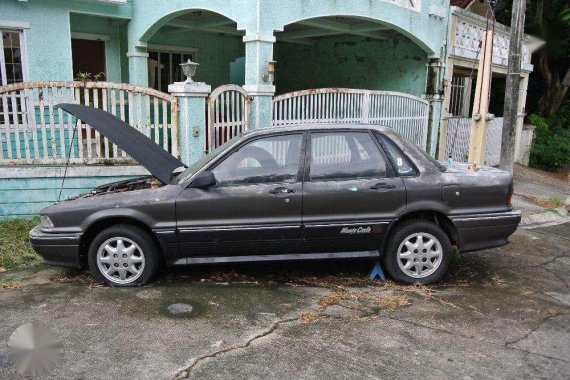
[
  {"x": 417, "y": 252},
  {"x": 123, "y": 255}
]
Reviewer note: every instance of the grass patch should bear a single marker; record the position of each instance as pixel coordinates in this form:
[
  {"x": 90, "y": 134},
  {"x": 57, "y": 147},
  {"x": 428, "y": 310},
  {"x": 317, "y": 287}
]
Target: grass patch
[
  {"x": 15, "y": 250},
  {"x": 550, "y": 203},
  {"x": 556, "y": 202}
]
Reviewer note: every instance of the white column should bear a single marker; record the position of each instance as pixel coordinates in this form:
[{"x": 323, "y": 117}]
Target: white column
[
  {"x": 258, "y": 82},
  {"x": 192, "y": 118}
]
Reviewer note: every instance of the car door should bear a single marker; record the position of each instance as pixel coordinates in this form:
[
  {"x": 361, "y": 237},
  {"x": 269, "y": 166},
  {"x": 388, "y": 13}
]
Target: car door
[
  {"x": 350, "y": 193},
  {"x": 254, "y": 208}
]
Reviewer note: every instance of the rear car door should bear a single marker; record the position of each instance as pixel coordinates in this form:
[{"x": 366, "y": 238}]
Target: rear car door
[
  {"x": 351, "y": 193},
  {"x": 254, "y": 208}
]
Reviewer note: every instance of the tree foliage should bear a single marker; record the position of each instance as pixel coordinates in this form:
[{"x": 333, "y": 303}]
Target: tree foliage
[{"x": 548, "y": 20}]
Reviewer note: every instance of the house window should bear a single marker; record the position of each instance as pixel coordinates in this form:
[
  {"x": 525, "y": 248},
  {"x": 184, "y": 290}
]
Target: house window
[
  {"x": 164, "y": 67},
  {"x": 11, "y": 57},
  {"x": 460, "y": 100},
  {"x": 11, "y": 71}
]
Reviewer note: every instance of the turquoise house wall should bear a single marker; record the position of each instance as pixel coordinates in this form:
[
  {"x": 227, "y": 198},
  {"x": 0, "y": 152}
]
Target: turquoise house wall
[
  {"x": 237, "y": 71},
  {"x": 48, "y": 38},
  {"x": 80, "y": 23},
  {"x": 25, "y": 191},
  {"x": 124, "y": 47},
  {"x": 352, "y": 62}
]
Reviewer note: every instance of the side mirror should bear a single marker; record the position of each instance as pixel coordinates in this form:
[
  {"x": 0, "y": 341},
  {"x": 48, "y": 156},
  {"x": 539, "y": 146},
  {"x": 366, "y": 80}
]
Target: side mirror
[{"x": 204, "y": 180}]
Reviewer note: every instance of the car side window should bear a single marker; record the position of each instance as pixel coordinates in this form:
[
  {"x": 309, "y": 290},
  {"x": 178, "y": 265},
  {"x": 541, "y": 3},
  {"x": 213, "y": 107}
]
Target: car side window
[
  {"x": 345, "y": 155},
  {"x": 401, "y": 163},
  {"x": 265, "y": 160}
]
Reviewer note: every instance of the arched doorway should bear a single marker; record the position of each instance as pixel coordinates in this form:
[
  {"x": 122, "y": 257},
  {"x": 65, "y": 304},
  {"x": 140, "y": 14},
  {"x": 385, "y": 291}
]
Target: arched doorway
[
  {"x": 206, "y": 37},
  {"x": 341, "y": 69},
  {"x": 348, "y": 52}
]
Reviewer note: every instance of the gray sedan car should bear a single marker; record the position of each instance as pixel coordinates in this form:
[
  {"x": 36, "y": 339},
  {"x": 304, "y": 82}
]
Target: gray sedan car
[{"x": 310, "y": 192}]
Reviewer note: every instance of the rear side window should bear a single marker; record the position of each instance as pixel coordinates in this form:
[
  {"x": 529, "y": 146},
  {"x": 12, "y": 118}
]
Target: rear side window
[
  {"x": 345, "y": 155},
  {"x": 401, "y": 163}
]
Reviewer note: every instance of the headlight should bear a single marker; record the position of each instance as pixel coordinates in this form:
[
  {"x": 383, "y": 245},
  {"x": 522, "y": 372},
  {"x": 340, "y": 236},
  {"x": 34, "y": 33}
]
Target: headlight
[{"x": 45, "y": 221}]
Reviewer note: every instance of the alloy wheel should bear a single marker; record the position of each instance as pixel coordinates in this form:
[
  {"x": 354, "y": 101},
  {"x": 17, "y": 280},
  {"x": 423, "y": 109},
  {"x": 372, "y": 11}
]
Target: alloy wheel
[
  {"x": 120, "y": 260},
  {"x": 419, "y": 255}
]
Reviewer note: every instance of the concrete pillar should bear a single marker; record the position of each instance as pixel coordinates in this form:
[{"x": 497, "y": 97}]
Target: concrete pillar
[
  {"x": 138, "y": 67},
  {"x": 258, "y": 82},
  {"x": 191, "y": 119}
]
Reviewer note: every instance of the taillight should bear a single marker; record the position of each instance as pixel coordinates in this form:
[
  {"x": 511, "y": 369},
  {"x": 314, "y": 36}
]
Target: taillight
[{"x": 510, "y": 196}]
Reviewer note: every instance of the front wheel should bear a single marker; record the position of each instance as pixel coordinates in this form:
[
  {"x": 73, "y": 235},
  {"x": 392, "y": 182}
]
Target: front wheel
[
  {"x": 417, "y": 252},
  {"x": 123, "y": 255}
]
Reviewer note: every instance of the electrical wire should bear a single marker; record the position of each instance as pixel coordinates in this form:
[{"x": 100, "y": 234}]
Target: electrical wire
[{"x": 67, "y": 161}]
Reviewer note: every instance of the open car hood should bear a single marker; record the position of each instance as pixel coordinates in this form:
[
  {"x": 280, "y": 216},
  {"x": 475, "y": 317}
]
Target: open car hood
[{"x": 156, "y": 160}]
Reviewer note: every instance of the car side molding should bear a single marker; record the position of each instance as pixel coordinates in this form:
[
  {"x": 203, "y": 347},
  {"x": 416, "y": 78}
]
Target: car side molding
[{"x": 284, "y": 257}]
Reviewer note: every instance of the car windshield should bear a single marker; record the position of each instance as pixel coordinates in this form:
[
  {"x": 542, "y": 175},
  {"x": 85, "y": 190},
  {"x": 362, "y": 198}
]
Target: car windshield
[{"x": 192, "y": 169}]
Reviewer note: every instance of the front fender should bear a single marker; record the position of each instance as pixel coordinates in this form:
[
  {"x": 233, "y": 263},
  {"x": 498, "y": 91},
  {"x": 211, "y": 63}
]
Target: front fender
[{"x": 125, "y": 213}]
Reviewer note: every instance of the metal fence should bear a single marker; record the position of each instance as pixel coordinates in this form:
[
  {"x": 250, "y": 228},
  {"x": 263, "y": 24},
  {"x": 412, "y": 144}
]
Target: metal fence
[
  {"x": 34, "y": 131},
  {"x": 457, "y": 139},
  {"x": 406, "y": 114}
]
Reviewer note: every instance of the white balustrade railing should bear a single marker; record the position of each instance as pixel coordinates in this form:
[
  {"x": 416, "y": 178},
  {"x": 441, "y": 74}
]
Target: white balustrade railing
[
  {"x": 469, "y": 31},
  {"x": 34, "y": 131}
]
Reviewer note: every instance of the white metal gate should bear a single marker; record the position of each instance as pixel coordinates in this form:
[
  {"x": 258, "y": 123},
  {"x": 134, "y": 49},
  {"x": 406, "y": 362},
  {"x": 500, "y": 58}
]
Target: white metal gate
[
  {"x": 228, "y": 108},
  {"x": 406, "y": 114}
]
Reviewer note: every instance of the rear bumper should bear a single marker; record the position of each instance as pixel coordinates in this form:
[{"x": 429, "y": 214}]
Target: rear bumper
[
  {"x": 56, "y": 249},
  {"x": 482, "y": 231}
]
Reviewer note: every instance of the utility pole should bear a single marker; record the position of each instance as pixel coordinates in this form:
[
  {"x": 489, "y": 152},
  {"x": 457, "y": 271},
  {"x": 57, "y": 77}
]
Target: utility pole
[
  {"x": 481, "y": 115},
  {"x": 511, "y": 105}
]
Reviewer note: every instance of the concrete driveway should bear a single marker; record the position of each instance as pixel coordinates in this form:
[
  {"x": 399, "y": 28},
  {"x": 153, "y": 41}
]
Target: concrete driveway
[{"x": 502, "y": 313}]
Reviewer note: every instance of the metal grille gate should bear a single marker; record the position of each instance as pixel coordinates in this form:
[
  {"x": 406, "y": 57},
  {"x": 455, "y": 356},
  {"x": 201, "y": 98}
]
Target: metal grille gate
[
  {"x": 228, "y": 108},
  {"x": 406, "y": 114}
]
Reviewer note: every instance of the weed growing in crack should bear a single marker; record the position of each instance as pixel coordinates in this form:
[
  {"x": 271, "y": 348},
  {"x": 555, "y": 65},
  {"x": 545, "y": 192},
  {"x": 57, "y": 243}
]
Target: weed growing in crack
[{"x": 363, "y": 302}]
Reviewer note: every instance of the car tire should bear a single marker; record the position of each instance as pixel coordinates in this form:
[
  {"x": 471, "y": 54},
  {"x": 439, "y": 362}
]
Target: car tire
[
  {"x": 123, "y": 255},
  {"x": 417, "y": 252}
]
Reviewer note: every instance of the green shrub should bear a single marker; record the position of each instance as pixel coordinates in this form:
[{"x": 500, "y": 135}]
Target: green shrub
[{"x": 551, "y": 147}]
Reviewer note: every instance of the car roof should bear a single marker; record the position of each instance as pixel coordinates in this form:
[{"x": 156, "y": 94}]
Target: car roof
[{"x": 304, "y": 127}]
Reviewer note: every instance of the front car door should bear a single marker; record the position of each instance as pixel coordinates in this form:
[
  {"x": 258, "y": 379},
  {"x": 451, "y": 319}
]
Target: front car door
[
  {"x": 351, "y": 192},
  {"x": 254, "y": 208}
]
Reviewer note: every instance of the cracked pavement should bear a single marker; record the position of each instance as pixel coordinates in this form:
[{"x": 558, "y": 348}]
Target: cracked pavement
[{"x": 502, "y": 313}]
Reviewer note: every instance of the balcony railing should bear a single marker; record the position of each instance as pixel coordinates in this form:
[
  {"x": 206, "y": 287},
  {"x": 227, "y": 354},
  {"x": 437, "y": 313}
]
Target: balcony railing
[{"x": 469, "y": 30}]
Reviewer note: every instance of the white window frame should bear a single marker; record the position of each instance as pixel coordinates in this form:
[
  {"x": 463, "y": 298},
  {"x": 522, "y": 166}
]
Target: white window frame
[
  {"x": 20, "y": 28},
  {"x": 167, "y": 49}
]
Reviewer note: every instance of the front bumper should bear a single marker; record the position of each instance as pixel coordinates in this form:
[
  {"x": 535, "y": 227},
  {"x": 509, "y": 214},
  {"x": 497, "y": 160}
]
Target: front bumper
[
  {"x": 56, "y": 248},
  {"x": 482, "y": 231}
]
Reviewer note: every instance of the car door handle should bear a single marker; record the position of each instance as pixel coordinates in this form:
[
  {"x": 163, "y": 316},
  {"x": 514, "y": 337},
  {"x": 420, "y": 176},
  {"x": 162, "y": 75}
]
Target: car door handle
[
  {"x": 382, "y": 185},
  {"x": 281, "y": 190}
]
